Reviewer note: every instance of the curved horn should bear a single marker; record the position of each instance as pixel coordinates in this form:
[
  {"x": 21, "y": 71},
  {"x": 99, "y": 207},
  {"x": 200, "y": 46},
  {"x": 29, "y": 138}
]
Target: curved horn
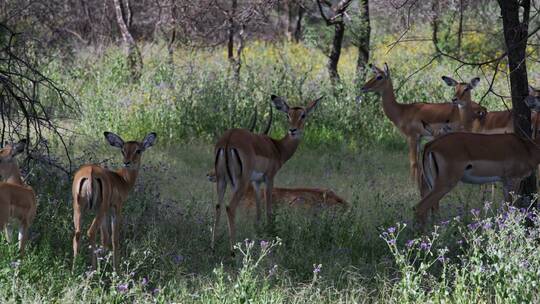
[
  {"x": 269, "y": 123},
  {"x": 253, "y": 120}
]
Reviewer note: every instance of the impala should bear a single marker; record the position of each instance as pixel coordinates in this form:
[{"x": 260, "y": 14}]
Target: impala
[
  {"x": 476, "y": 159},
  {"x": 104, "y": 192},
  {"x": 242, "y": 157},
  {"x": 408, "y": 117},
  {"x": 294, "y": 197},
  {"x": 493, "y": 122},
  {"x": 17, "y": 200}
]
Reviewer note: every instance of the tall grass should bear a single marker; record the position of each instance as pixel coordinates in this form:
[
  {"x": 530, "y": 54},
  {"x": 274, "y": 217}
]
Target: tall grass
[{"x": 360, "y": 255}]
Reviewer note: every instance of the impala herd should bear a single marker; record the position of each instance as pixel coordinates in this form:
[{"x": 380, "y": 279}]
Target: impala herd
[{"x": 468, "y": 144}]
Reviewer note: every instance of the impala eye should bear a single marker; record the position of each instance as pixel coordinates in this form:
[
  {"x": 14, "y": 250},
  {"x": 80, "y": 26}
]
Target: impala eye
[
  {"x": 379, "y": 77},
  {"x": 303, "y": 115},
  {"x": 138, "y": 151}
]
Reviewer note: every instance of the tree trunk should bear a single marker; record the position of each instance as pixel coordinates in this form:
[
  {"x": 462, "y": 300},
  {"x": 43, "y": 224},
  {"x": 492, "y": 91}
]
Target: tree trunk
[
  {"x": 363, "y": 44},
  {"x": 460, "y": 27},
  {"x": 133, "y": 54},
  {"x": 515, "y": 36},
  {"x": 172, "y": 39},
  {"x": 298, "y": 32},
  {"x": 335, "y": 53}
]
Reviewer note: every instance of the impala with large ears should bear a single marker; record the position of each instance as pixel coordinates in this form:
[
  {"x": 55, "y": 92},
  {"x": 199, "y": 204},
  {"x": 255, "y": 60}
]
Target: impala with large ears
[
  {"x": 242, "y": 157},
  {"x": 468, "y": 112},
  {"x": 408, "y": 117},
  {"x": 17, "y": 200},
  {"x": 476, "y": 159},
  {"x": 103, "y": 192}
]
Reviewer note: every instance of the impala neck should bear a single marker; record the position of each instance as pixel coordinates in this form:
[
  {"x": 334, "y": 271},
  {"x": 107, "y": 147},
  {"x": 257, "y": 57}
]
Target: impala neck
[
  {"x": 14, "y": 176},
  {"x": 129, "y": 176},
  {"x": 465, "y": 115},
  {"x": 391, "y": 108},
  {"x": 287, "y": 146}
]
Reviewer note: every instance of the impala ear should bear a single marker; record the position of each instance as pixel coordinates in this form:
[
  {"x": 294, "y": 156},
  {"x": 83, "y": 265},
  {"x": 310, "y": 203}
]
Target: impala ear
[
  {"x": 280, "y": 103},
  {"x": 18, "y": 148},
  {"x": 114, "y": 140},
  {"x": 149, "y": 140},
  {"x": 474, "y": 82},
  {"x": 312, "y": 105},
  {"x": 386, "y": 70},
  {"x": 449, "y": 81}
]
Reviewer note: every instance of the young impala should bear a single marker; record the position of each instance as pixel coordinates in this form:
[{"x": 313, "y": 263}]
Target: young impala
[
  {"x": 103, "y": 192},
  {"x": 408, "y": 117},
  {"x": 17, "y": 200},
  {"x": 476, "y": 159},
  {"x": 242, "y": 157}
]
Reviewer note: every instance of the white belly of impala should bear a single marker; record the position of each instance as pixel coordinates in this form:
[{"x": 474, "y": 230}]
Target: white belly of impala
[
  {"x": 468, "y": 178},
  {"x": 257, "y": 176}
]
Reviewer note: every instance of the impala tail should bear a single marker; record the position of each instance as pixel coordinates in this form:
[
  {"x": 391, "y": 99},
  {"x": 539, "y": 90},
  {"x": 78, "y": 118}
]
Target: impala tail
[
  {"x": 228, "y": 165},
  {"x": 90, "y": 190}
]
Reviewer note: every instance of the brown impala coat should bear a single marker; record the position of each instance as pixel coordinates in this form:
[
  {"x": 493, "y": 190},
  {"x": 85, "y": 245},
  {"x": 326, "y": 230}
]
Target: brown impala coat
[
  {"x": 476, "y": 159},
  {"x": 242, "y": 157},
  {"x": 17, "y": 200},
  {"x": 104, "y": 191}
]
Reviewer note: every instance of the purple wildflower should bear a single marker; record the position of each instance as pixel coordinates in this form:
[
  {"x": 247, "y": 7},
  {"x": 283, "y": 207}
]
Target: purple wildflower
[
  {"x": 487, "y": 205},
  {"x": 442, "y": 259},
  {"x": 178, "y": 258},
  {"x": 144, "y": 281},
  {"x": 122, "y": 287},
  {"x": 459, "y": 242},
  {"x": 473, "y": 226},
  {"x": 317, "y": 268},
  {"x": 409, "y": 243},
  {"x": 486, "y": 225},
  {"x": 155, "y": 291},
  {"x": 392, "y": 241},
  {"x": 425, "y": 246},
  {"x": 475, "y": 212},
  {"x": 391, "y": 229},
  {"x": 445, "y": 223},
  {"x": 264, "y": 244}
]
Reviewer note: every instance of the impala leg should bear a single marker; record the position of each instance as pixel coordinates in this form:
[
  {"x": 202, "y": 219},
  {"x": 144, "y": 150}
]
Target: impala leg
[
  {"x": 77, "y": 214},
  {"x": 104, "y": 231},
  {"x": 231, "y": 212},
  {"x": 269, "y": 188},
  {"x": 413, "y": 156},
  {"x": 116, "y": 223},
  {"x": 432, "y": 200},
  {"x": 8, "y": 231},
  {"x": 91, "y": 233},
  {"x": 257, "y": 188},
  {"x": 23, "y": 237},
  {"x": 221, "y": 188}
]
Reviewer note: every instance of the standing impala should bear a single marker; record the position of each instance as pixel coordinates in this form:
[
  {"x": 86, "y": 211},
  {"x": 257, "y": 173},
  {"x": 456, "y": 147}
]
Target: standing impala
[
  {"x": 104, "y": 191},
  {"x": 242, "y": 157},
  {"x": 476, "y": 159},
  {"x": 17, "y": 200},
  {"x": 408, "y": 117}
]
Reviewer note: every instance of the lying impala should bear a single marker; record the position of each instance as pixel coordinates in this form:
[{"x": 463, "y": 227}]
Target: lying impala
[
  {"x": 242, "y": 157},
  {"x": 476, "y": 159},
  {"x": 407, "y": 117},
  {"x": 310, "y": 198},
  {"x": 17, "y": 200},
  {"x": 104, "y": 192}
]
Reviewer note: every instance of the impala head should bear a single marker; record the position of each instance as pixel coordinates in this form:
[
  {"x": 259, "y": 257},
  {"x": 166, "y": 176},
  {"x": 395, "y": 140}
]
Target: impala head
[
  {"x": 7, "y": 157},
  {"x": 131, "y": 150},
  {"x": 378, "y": 81},
  {"x": 533, "y": 100},
  {"x": 296, "y": 116},
  {"x": 462, "y": 95}
]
